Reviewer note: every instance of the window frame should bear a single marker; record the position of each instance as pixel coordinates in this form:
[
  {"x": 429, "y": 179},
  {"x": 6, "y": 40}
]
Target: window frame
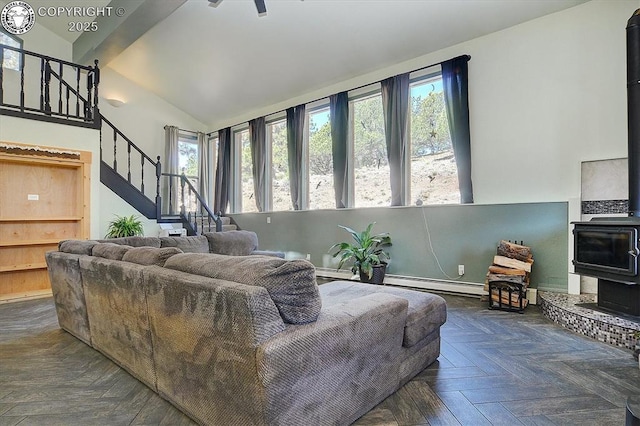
[{"x": 20, "y": 46}]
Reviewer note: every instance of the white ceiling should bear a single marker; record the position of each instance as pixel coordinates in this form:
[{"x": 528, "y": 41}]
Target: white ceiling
[{"x": 221, "y": 63}]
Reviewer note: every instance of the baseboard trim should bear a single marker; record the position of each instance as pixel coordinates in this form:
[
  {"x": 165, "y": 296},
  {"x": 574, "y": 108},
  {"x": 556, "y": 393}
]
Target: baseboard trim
[{"x": 459, "y": 287}]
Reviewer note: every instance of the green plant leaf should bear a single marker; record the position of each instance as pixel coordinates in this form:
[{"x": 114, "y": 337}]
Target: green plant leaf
[{"x": 124, "y": 226}]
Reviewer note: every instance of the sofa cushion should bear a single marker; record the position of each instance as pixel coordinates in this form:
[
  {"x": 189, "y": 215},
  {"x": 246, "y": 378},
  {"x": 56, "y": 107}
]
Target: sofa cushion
[
  {"x": 290, "y": 283},
  {"x": 232, "y": 243},
  {"x": 136, "y": 241},
  {"x": 426, "y": 313},
  {"x": 150, "y": 255},
  {"x": 110, "y": 250},
  {"x": 191, "y": 244},
  {"x": 77, "y": 246}
]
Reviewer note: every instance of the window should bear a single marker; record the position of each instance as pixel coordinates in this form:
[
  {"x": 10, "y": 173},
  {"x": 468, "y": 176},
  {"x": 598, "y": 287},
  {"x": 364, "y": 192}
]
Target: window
[
  {"x": 321, "y": 193},
  {"x": 434, "y": 175},
  {"x": 188, "y": 157},
  {"x": 246, "y": 191},
  {"x": 12, "y": 58},
  {"x": 372, "y": 185},
  {"x": 280, "y": 184}
]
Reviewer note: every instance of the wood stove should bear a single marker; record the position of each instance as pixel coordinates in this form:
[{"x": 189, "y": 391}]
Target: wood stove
[{"x": 607, "y": 248}]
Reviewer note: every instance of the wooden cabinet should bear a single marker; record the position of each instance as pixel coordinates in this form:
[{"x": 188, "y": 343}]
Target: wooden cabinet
[{"x": 44, "y": 198}]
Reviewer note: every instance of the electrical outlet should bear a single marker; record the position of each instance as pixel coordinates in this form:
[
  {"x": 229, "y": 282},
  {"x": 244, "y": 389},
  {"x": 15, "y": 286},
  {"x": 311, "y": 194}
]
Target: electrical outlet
[
  {"x": 308, "y": 256},
  {"x": 460, "y": 269},
  {"x": 268, "y": 219}
]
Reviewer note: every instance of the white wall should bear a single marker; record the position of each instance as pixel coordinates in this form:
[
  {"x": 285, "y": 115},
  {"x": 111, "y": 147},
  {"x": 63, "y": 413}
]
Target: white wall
[
  {"x": 544, "y": 96},
  {"x": 144, "y": 114}
]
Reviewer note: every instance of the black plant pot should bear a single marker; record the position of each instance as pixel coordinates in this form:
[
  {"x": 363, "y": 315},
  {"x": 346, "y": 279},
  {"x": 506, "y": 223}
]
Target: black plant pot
[{"x": 377, "y": 277}]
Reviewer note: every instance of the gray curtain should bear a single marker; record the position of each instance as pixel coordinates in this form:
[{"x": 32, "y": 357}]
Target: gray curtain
[
  {"x": 223, "y": 172},
  {"x": 395, "y": 106},
  {"x": 455, "y": 82},
  {"x": 339, "y": 117},
  {"x": 295, "y": 135},
  {"x": 258, "y": 140},
  {"x": 205, "y": 168},
  {"x": 170, "y": 201}
]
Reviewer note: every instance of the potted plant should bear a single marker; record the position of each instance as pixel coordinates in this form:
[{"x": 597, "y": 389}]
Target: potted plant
[
  {"x": 367, "y": 254},
  {"x": 124, "y": 226}
]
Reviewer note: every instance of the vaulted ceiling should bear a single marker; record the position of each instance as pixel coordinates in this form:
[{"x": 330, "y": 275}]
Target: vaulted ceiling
[{"x": 220, "y": 63}]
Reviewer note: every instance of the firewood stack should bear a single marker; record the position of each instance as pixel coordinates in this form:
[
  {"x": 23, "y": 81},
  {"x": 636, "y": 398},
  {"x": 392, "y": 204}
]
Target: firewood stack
[{"x": 510, "y": 271}]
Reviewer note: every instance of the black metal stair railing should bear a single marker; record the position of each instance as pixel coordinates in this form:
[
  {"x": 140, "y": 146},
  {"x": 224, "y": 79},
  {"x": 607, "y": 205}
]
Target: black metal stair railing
[
  {"x": 128, "y": 171},
  {"x": 57, "y": 100},
  {"x": 61, "y": 101},
  {"x": 191, "y": 207}
]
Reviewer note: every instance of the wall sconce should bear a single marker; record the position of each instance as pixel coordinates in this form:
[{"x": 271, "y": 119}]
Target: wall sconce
[{"x": 116, "y": 103}]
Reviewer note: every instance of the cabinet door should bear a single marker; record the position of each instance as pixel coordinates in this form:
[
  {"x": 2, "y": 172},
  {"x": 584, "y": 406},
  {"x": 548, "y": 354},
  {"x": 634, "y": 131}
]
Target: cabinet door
[{"x": 42, "y": 201}]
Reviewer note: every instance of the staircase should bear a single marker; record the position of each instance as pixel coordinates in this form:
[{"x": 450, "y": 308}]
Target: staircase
[{"x": 124, "y": 167}]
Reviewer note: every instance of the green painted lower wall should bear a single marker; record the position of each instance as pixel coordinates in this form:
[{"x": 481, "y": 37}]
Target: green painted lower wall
[{"x": 460, "y": 234}]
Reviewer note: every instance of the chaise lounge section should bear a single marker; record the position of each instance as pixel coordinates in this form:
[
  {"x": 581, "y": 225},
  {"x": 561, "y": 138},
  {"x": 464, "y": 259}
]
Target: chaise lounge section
[{"x": 244, "y": 340}]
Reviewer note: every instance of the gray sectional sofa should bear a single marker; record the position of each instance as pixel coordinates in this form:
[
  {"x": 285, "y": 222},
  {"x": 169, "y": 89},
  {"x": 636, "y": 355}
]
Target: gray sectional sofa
[{"x": 244, "y": 340}]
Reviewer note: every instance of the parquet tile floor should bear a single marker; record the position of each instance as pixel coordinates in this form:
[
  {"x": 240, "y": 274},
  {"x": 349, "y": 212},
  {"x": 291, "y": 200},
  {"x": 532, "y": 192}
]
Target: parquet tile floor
[{"x": 495, "y": 367}]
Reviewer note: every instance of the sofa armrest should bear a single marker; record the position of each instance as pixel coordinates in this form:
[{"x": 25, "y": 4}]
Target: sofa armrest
[{"x": 341, "y": 364}]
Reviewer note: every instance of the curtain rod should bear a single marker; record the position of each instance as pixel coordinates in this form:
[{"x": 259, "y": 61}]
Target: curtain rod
[
  {"x": 468, "y": 57},
  {"x": 184, "y": 130}
]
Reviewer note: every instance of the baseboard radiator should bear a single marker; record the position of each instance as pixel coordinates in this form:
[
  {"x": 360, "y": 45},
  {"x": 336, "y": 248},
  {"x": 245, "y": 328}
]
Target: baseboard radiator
[{"x": 458, "y": 287}]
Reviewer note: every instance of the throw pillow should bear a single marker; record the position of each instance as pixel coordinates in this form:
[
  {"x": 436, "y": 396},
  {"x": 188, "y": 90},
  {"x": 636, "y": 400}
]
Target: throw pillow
[
  {"x": 232, "y": 243},
  {"x": 110, "y": 250},
  {"x": 135, "y": 241},
  {"x": 150, "y": 255},
  {"x": 290, "y": 283},
  {"x": 77, "y": 246},
  {"x": 191, "y": 244}
]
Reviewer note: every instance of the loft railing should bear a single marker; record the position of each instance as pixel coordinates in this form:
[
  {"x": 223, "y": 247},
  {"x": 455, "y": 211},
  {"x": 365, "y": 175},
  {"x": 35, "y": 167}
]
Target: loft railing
[
  {"x": 184, "y": 199},
  {"x": 124, "y": 167},
  {"x": 59, "y": 97}
]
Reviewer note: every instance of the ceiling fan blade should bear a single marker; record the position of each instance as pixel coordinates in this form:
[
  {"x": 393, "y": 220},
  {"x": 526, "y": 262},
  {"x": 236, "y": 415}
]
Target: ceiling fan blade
[{"x": 262, "y": 9}]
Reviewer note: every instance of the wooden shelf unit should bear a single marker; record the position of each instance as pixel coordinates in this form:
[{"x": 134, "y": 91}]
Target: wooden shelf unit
[{"x": 43, "y": 199}]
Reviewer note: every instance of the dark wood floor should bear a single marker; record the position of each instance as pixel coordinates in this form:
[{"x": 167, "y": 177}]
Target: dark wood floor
[{"x": 495, "y": 368}]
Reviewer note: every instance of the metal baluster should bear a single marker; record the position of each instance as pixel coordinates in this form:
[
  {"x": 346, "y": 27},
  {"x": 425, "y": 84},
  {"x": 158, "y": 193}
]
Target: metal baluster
[
  {"x": 115, "y": 159},
  {"x": 61, "y": 70},
  {"x": 68, "y": 94},
  {"x": 129, "y": 162},
  {"x": 78, "y": 92},
  {"x": 47, "y": 92},
  {"x": 87, "y": 107},
  {"x": 142, "y": 172},
  {"x": 96, "y": 82},
  {"x": 22, "y": 85},
  {"x": 41, "y": 84},
  {"x": 158, "y": 197}
]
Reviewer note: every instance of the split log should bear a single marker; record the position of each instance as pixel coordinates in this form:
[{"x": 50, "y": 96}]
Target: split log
[
  {"x": 512, "y": 263},
  {"x": 514, "y": 251},
  {"x": 516, "y": 279},
  {"x": 495, "y": 269}
]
